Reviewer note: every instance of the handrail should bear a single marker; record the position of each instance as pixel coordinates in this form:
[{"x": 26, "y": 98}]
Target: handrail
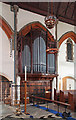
[{"x": 54, "y": 101}]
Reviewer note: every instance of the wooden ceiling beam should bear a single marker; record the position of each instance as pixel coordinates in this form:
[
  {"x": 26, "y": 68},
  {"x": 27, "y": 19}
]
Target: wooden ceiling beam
[
  {"x": 61, "y": 11},
  {"x": 73, "y": 13},
  {"x": 32, "y": 9},
  {"x": 69, "y": 21},
  {"x": 58, "y": 9},
  {"x": 66, "y": 9}
]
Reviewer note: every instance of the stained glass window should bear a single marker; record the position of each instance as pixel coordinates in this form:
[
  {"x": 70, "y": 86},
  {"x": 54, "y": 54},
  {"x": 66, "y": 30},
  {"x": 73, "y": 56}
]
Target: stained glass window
[{"x": 69, "y": 50}]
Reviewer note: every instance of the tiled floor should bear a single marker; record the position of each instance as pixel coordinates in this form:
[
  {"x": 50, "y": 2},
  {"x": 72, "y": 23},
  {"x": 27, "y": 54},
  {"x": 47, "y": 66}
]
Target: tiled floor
[
  {"x": 6, "y": 110},
  {"x": 61, "y": 109}
]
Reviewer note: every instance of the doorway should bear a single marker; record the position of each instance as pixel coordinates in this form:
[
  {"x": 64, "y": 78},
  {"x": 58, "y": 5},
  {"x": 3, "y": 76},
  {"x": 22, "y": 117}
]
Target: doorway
[{"x": 5, "y": 88}]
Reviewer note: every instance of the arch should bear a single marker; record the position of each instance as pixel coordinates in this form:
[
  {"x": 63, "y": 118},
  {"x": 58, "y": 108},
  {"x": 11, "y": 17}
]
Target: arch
[
  {"x": 5, "y": 85},
  {"x": 64, "y": 81},
  {"x": 68, "y": 77},
  {"x": 70, "y": 34},
  {"x": 4, "y": 75},
  {"x": 34, "y": 25},
  {"x": 6, "y": 27}
]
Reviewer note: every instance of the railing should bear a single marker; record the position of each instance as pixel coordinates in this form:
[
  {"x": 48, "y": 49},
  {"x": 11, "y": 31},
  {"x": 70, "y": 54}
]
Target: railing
[{"x": 37, "y": 99}]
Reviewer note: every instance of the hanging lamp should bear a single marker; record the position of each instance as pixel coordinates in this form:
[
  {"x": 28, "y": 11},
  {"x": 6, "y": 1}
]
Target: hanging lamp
[{"x": 50, "y": 19}]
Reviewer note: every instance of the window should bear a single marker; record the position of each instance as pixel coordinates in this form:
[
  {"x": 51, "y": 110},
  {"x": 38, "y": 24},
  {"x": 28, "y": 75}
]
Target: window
[
  {"x": 69, "y": 50},
  {"x": 69, "y": 86}
]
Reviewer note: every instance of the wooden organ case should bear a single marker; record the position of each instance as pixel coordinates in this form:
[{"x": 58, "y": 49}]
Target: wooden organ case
[{"x": 37, "y": 50}]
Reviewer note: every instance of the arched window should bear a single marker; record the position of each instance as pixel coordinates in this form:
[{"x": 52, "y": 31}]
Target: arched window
[
  {"x": 69, "y": 50},
  {"x": 39, "y": 55},
  {"x": 26, "y": 58}
]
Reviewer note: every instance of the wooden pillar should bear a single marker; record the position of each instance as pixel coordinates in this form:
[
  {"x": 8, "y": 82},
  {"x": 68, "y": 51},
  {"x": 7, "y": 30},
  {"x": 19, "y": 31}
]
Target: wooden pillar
[
  {"x": 50, "y": 89},
  {"x": 61, "y": 99},
  {"x": 56, "y": 69},
  {"x": 21, "y": 70},
  {"x": 10, "y": 91},
  {"x": 25, "y": 89},
  {"x": 6, "y": 89},
  {"x": 56, "y": 83},
  {"x": 1, "y": 89},
  {"x": 55, "y": 97},
  {"x": 46, "y": 52},
  {"x": 39, "y": 56},
  {"x": 20, "y": 53},
  {"x": 56, "y": 58},
  {"x": 31, "y": 53},
  {"x": 25, "y": 95}
]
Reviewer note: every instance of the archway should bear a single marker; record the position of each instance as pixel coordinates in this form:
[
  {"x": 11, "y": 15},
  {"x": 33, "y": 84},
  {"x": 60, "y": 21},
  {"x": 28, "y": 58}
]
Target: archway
[
  {"x": 5, "y": 88},
  {"x": 34, "y": 25},
  {"x": 6, "y": 27},
  {"x": 68, "y": 83}
]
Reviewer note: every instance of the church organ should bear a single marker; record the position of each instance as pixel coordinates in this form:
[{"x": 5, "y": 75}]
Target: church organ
[{"x": 32, "y": 52}]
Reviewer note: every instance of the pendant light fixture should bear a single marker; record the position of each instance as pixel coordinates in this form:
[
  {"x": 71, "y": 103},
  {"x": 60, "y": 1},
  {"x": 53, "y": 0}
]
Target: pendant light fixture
[{"x": 50, "y": 19}]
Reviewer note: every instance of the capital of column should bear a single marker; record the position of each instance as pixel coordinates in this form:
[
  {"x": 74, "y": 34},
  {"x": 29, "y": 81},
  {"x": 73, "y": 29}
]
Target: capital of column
[{"x": 14, "y": 8}]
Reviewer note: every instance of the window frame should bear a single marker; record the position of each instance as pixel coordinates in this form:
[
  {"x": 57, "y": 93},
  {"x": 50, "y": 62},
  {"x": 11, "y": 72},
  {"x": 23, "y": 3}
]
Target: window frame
[{"x": 69, "y": 41}]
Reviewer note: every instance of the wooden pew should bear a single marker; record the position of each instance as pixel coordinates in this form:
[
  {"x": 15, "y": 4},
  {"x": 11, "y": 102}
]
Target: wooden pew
[
  {"x": 62, "y": 96},
  {"x": 55, "y": 95},
  {"x": 71, "y": 96},
  {"x": 68, "y": 96},
  {"x": 71, "y": 100}
]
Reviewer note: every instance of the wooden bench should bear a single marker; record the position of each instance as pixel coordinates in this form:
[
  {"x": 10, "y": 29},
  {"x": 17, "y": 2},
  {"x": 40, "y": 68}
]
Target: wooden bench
[{"x": 68, "y": 96}]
